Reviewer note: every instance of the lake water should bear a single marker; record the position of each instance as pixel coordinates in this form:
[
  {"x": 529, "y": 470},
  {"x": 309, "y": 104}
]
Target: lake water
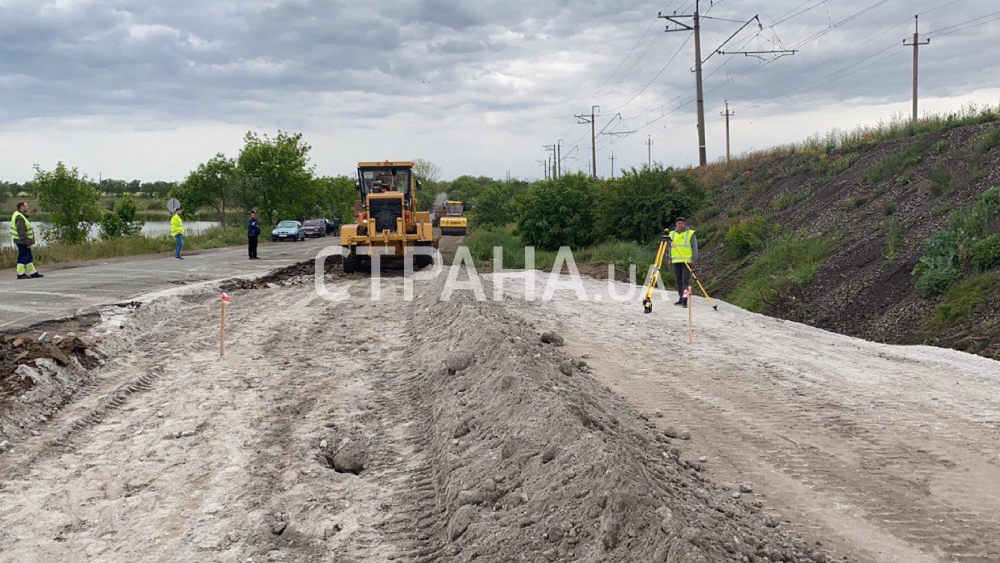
[{"x": 150, "y": 229}]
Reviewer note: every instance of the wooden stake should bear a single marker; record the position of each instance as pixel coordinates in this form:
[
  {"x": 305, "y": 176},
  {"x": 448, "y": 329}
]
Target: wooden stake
[
  {"x": 690, "y": 303},
  {"x": 222, "y": 333}
]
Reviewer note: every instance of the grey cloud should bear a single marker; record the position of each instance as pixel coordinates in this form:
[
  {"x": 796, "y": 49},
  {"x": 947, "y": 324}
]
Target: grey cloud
[{"x": 273, "y": 61}]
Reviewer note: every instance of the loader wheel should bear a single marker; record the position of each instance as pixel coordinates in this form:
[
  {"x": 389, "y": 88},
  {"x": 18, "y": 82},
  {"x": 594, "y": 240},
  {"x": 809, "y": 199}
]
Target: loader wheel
[{"x": 352, "y": 262}]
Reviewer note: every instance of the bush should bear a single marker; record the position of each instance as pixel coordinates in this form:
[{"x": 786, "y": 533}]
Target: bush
[
  {"x": 495, "y": 205},
  {"x": 746, "y": 236},
  {"x": 962, "y": 300},
  {"x": 123, "y": 221},
  {"x": 985, "y": 254},
  {"x": 937, "y": 281},
  {"x": 949, "y": 251},
  {"x": 558, "y": 213},
  {"x": 71, "y": 200},
  {"x": 640, "y": 204}
]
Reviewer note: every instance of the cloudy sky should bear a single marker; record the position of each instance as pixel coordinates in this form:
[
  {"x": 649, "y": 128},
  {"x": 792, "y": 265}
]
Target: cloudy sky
[{"x": 149, "y": 88}]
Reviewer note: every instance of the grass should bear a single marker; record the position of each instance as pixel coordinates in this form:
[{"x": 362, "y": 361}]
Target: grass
[
  {"x": 961, "y": 301},
  {"x": 893, "y": 240},
  {"x": 896, "y": 163},
  {"x": 787, "y": 264},
  {"x": 788, "y": 200},
  {"x": 856, "y": 201},
  {"x": 215, "y": 237},
  {"x": 941, "y": 181},
  {"x": 900, "y": 126},
  {"x": 989, "y": 140}
]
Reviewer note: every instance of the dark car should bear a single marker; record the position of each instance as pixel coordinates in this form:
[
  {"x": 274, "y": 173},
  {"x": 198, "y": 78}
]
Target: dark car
[{"x": 315, "y": 227}]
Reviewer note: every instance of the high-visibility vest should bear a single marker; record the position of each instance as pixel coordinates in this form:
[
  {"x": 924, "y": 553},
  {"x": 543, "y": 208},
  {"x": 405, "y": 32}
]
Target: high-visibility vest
[
  {"x": 176, "y": 225},
  {"x": 27, "y": 224},
  {"x": 680, "y": 246}
]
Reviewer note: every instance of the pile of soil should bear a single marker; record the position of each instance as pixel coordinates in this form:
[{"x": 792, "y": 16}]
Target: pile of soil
[
  {"x": 38, "y": 374},
  {"x": 534, "y": 460}
]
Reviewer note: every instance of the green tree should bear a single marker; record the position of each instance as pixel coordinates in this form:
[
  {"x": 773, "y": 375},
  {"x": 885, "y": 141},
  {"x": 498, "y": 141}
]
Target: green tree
[
  {"x": 72, "y": 202},
  {"x": 468, "y": 188},
  {"x": 429, "y": 176},
  {"x": 495, "y": 205},
  {"x": 123, "y": 221},
  {"x": 558, "y": 213},
  {"x": 212, "y": 184},
  {"x": 338, "y": 194},
  {"x": 276, "y": 177},
  {"x": 640, "y": 204}
]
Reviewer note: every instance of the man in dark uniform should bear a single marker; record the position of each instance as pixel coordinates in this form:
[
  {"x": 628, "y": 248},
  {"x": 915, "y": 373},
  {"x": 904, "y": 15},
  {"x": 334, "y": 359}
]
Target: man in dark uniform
[{"x": 253, "y": 233}]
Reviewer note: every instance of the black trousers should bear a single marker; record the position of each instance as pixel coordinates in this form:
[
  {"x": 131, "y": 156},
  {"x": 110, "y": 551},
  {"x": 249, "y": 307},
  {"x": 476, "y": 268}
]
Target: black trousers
[
  {"x": 252, "y": 245},
  {"x": 24, "y": 256},
  {"x": 682, "y": 276}
]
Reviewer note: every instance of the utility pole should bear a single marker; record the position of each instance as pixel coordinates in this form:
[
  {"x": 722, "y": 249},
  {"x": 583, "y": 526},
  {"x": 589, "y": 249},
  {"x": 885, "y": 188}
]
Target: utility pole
[
  {"x": 552, "y": 170},
  {"x": 702, "y": 153},
  {"x": 612, "y": 165},
  {"x": 592, "y": 120},
  {"x": 916, "y": 49},
  {"x": 695, "y": 26},
  {"x": 559, "y": 158},
  {"x": 649, "y": 152},
  {"x": 727, "y": 115}
]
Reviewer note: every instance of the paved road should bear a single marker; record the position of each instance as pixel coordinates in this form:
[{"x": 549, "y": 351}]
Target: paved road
[{"x": 76, "y": 289}]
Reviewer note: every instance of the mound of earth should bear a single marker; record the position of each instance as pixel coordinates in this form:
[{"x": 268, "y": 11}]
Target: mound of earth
[
  {"x": 534, "y": 460},
  {"x": 38, "y": 376}
]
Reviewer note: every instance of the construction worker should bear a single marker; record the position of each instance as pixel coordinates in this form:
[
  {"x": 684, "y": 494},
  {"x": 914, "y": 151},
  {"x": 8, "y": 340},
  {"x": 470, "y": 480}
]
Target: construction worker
[
  {"x": 177, "y": 231},
  {"x": 683, "y": 253},
  {"x": 23, "y": 235},
  {"x": 253, "y": 233}
]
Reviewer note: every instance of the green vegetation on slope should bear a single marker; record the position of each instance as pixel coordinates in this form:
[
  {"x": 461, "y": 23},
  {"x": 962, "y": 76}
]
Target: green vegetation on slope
[
  {"x": 776, "y": 278},
  {"x": 961, "y": 301}
]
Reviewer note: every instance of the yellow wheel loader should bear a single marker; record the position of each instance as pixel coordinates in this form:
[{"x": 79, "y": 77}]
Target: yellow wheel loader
[
  {"x": 453, "y": 220},
  {"x": 386, "y": 218}
]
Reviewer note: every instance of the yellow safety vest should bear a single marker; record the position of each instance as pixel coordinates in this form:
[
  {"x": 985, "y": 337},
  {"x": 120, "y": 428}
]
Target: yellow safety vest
[
  {"x": 176, "y": 225},
  {"x": 27, "y": 224},
  {"x": 680, "y": 246}
]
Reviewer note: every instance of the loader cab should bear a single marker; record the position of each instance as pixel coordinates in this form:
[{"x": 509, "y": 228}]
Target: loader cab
[{"x": 384, "y": 178}]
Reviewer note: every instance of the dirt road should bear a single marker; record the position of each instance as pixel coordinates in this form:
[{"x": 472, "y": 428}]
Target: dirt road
[
  {"x": 428, "y": 431},
  {"x": 891, "y": 453}
]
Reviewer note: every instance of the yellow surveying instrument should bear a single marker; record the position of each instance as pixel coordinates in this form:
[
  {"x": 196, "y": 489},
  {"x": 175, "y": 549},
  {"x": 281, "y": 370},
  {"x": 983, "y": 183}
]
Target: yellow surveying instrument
[
  {"x": 647, "y": 302},
  {"x": 661, "y": 252}
]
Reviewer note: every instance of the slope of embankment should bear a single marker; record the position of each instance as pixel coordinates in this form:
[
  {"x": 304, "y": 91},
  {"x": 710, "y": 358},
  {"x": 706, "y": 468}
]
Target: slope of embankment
[{"x": 893, "y": 236}]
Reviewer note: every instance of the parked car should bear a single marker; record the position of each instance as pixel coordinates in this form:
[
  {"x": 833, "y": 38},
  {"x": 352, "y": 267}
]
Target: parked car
[
  {"x": 333, "y": 226},
  {"x": 288, "y": 230},
  {"x": 315, "y": 227}
]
